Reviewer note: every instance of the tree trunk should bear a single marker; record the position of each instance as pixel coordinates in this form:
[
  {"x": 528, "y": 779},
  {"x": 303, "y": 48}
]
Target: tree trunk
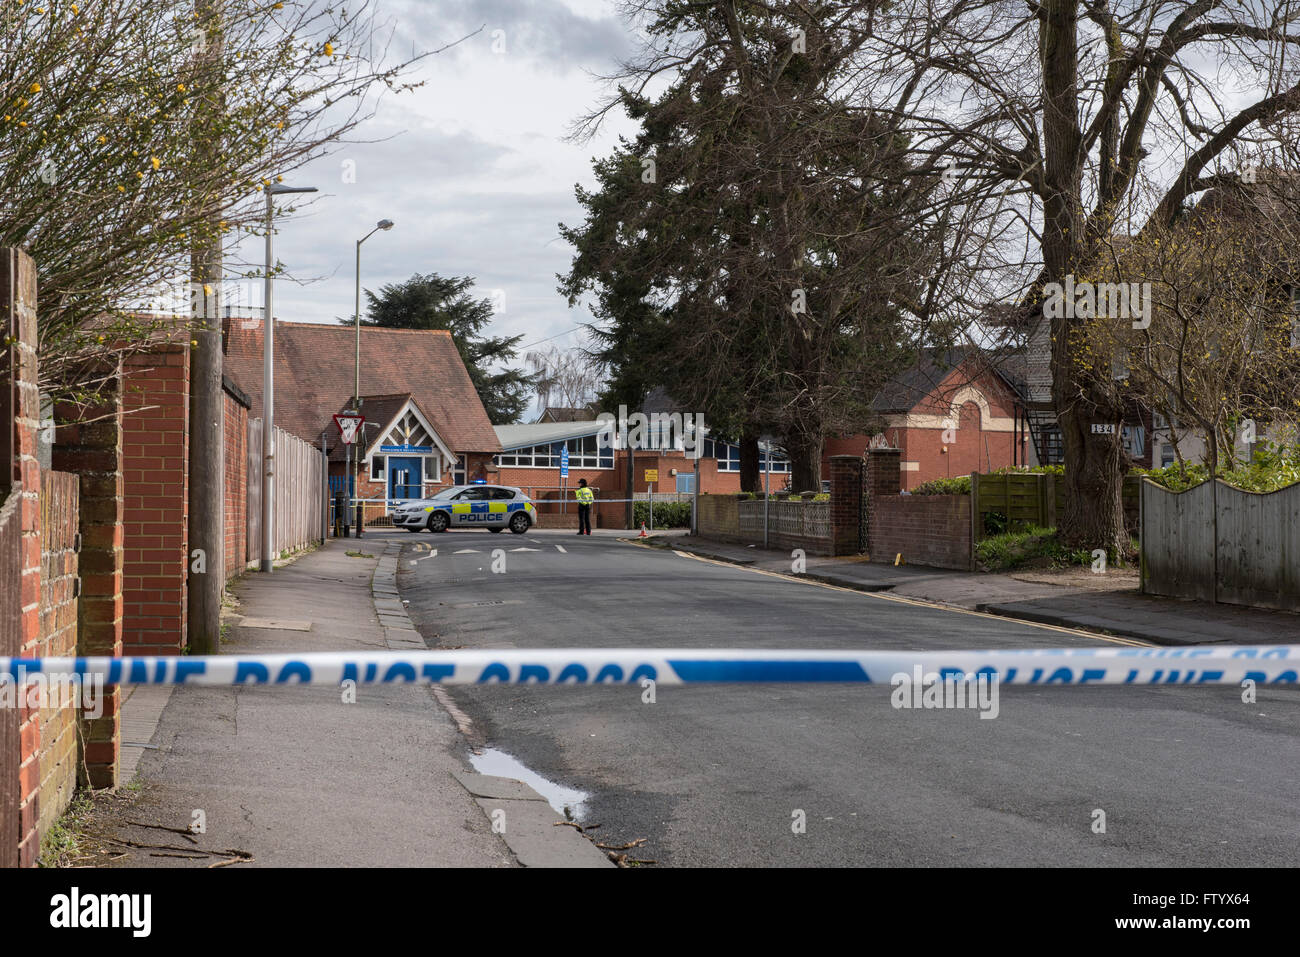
[
  {"x": 805, "y": 462},
  {"x": 751, "y": 471},
  {"x": 1083, "y": 392}
]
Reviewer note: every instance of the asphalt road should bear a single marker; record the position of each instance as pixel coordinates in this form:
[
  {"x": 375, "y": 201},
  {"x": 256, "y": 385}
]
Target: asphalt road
[{"x": 718, "y": 775}]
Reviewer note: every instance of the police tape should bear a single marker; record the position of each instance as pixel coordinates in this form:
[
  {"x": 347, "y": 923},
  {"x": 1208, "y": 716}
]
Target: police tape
[{"x": 1215, "y": 665}]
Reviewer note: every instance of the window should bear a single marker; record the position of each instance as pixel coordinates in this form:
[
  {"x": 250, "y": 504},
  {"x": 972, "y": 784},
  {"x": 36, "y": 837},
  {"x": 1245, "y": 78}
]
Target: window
[
  {"x": 1133, "y": 438},
  {"x": 432, "y": 468},
  {"x": 458, "y": 473},
  {"x": 501, "y": 494},
  {"x": 377, "y": 463},
  {"x": 1119, "y": 364},
  {"x": 584, "y": 453},
  {"x": 777, "y": 461},
  {"x": 686, "y": 482},
  {"x": 1295, "y": 317},
  {"x": 728, "y": 455}
]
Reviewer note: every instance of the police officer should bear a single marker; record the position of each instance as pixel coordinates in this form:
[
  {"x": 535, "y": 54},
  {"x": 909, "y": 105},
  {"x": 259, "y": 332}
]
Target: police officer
[{"x": 585, "y": 498}]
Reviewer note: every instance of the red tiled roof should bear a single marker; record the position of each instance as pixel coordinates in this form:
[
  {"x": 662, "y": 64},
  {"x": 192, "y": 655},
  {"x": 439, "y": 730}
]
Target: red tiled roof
[{"x": 314, "y": 376}]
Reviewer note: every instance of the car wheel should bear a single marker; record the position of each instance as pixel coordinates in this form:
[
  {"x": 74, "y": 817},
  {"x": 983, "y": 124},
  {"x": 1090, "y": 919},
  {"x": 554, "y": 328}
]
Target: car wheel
[
  {"x": 519, "y": 523},
  {"x": 495, "y": 531},
  {"x": 438, "y": 522}
]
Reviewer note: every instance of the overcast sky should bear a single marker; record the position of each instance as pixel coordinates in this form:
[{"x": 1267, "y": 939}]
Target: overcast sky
[{"x": 477, "y": 175}]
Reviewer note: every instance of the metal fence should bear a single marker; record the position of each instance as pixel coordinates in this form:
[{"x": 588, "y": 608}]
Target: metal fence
[
  {"x": 299, "y": 488},
  {"x": 1218, "y": 543}
]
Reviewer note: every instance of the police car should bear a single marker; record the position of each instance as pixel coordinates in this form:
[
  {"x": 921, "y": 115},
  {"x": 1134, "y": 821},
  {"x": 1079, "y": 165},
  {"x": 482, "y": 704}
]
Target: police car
[{"x": 494, "y": 507}]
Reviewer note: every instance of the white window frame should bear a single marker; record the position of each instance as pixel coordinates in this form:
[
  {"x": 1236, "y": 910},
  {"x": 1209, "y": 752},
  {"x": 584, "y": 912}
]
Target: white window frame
[
  {"x": 382, "y": 462},
  {"x": 545, "y": 455}
]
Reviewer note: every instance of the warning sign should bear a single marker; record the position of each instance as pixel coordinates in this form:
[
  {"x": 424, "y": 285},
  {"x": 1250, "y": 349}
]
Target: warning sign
[{"x": 349, "y": 425}]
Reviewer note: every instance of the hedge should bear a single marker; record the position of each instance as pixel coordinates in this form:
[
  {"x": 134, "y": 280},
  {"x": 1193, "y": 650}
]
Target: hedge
[{"x": 667, "y": 514}]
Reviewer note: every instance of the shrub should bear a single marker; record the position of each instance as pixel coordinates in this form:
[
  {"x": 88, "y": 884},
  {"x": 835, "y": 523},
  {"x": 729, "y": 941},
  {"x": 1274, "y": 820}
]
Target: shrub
[
  {"x": 944, "y": 486},
  {"x": 667, "y": 514},
  {"x": 995, "y": 523},
  {"x": 1271, "y": 467},
  {"x": 1011, "y": 550}
]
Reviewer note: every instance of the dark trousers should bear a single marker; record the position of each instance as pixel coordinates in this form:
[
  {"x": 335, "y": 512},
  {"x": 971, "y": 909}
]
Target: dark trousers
[{"x": 584, "y": 518}]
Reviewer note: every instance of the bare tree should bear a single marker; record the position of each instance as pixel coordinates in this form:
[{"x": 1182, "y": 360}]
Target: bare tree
[
  {"x": 115, "y": 166},
  {"x": 1110, "y": 117},
  {"x": 1217, "y": 348},
  {"x": 565, "y": 378}
]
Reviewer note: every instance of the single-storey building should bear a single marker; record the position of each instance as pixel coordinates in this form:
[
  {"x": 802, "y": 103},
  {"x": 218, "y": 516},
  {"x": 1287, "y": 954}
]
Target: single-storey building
[
  {"x": 531, "y": 456},
  {"x": 955, "y": 412},
  {"x": 425, "y": 427}
]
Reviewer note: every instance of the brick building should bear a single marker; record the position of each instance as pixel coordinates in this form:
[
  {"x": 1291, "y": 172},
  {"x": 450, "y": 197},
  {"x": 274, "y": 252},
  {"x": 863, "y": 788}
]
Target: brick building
[
  {"x": 425, "y": 427},
  {"x": 530, "y": 459},
  {"x": 955, "y": 412}
]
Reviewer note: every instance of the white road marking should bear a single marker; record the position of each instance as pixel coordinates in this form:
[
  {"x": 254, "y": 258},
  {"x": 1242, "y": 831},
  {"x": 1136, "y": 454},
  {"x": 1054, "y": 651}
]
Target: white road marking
[
  {"x": 466, "y": 551},
  {"x": 525, "y": 549},
  {"x": 433, "y": 553},
  {"x": 561, "y": 549}
]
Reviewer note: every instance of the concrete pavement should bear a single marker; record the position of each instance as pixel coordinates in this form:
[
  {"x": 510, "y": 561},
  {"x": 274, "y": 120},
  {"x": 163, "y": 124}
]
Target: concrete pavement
[
  {"x": 1107, "y": 603},
  {"x": 295, "y": 776}
]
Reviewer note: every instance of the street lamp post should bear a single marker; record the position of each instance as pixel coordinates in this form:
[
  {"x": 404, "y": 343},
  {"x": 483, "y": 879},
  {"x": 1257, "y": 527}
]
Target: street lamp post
[
  {"x": 268, "y": 381},
  {"x": 385, "y": 225}
]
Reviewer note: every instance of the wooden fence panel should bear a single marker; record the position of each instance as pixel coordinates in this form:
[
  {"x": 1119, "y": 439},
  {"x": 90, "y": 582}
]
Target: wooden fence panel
[
  {"x": 254, "y": 497},
  {"x": 1258, "y": 555},
  {"x": 299, "y": 492},
  {"x": 1177, "y": 542},
  {"x": 1035, "y": 498}
]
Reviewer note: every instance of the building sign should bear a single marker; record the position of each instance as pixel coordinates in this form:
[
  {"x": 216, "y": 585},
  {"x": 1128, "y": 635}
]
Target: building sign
[
  {"x": 652, "y": 475},
  {"x": 412, "y": 449},
  {"x": 564, "y": 462}
]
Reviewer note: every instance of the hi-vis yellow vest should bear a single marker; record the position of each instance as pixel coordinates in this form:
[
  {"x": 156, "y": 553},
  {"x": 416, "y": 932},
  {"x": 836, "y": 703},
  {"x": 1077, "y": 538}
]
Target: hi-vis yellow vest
[{"x": 584, "y": 495}]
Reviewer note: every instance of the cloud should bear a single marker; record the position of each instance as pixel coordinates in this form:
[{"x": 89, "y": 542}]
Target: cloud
[
  {"x": 549, "y": 33},
  {"x": 473, "y": 167}
]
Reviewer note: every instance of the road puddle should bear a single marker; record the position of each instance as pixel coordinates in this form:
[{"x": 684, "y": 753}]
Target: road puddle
[{"x": 567, "y": 801}]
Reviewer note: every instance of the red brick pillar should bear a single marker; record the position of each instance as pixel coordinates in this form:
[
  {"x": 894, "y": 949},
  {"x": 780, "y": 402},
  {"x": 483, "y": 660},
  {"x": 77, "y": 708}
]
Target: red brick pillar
[
  {"x": 846, "y": 504},
  {"x": 155, "y": 464},
  {"x": 882, "y": 477},
  {"x": 89, "y": 442}
]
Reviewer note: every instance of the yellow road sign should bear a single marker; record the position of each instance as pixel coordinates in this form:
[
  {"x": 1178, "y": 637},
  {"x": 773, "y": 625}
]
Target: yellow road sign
[{"x": 652, "y": 475}]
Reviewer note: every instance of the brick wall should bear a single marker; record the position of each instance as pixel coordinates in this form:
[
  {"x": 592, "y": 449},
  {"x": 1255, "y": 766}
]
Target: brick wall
[
  {"x": 58, "y": 639},
  {"x": 20, "y": 561},
  {"x": 155, "y": 459},
  {"x": 929, "y": 530},
  {"x": 925, "y": 529},
  {"x": 89, "y": 443},
  {"x": 236, "y": 481}
]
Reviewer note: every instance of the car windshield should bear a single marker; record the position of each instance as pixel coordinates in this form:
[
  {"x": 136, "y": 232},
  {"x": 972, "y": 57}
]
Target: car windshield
[{"x": 448, "y": 492}]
